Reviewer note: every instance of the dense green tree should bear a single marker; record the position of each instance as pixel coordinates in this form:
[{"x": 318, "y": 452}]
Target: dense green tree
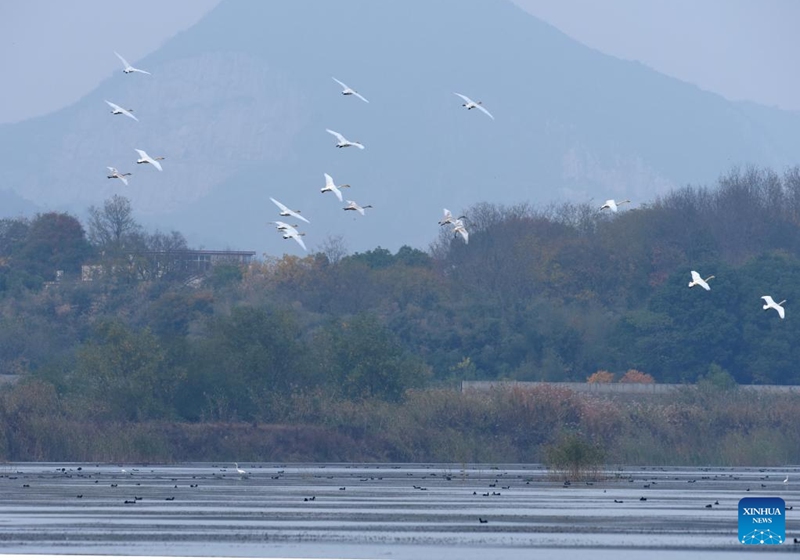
[
  {"x": 243, "y": 359},
  {"x": 54, "y": 241},
  {"x": 224, "y": 275},
  {"x": 362, "y": 360},
  {"x": 13, "y": 232},
  {"x": 121, "y": 373}
]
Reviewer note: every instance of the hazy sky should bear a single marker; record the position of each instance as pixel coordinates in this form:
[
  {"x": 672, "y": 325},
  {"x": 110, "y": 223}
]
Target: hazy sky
[
  {"x": 741, "y": 49},
  {"x": 52, "y": 52}
]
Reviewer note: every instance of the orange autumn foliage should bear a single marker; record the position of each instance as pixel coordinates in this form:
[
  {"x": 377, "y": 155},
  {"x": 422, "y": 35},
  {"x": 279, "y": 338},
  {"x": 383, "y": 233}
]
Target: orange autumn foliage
[
  {"x": 635, "y": 376},
  {"x": 601, "y": 376}
]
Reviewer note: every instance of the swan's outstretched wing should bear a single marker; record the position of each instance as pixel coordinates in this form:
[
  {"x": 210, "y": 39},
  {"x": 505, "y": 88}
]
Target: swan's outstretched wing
[
  {"x": 696, "y": 277},
  {"x": 357, "y": 145},
  {"x": 298, "y": 216},
  {"x": 339, "y": 137},
  {"x": 482, "y": 108},
  {"x": 294, "y": 235},
  {"x": 125, "y": 62},
  {"x": 279, "y": 205},
  {"x": 768, "y": 300},
  {"x": 361, "y": 97},
  {"x": 329, "y": 181},
  {"x": 464, "y": 97},
  {"x": 123, "y": 179},
  {"x": 344, "y": 85},
  {"x": 781, "y": 311}
]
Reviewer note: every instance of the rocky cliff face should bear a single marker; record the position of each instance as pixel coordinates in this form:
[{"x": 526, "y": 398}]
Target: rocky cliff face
[{"x": 239, "y": 104}]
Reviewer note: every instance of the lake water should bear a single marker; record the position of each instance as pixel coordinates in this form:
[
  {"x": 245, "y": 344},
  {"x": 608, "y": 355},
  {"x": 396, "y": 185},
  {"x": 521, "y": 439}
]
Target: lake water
[{"x": 381, "y": 511}]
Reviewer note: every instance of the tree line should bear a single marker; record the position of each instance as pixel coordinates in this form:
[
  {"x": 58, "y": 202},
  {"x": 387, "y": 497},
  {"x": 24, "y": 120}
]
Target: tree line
[{"x": 555, "y": 294}]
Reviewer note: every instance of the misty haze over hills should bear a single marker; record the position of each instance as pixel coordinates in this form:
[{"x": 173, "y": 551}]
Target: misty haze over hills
[{"x": 239, "y": 104}]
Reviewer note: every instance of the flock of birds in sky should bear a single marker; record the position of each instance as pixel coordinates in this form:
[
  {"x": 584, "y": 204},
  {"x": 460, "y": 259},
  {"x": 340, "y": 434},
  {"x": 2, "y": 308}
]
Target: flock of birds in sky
[
  {"x": 117, "y": 110},
  {"x": 290, "y": 231}
]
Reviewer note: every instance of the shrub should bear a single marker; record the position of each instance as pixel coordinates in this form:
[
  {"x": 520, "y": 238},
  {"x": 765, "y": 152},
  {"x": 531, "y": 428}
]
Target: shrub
[
  {"x": 601, "y": 376},
  {"x": 574, "y": 457},
  {"x": 635, "y": 376}
]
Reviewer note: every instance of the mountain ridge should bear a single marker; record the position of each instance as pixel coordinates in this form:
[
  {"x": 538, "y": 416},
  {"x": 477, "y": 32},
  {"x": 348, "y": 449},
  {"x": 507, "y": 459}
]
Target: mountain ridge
[{"x": 239, "y": 104}]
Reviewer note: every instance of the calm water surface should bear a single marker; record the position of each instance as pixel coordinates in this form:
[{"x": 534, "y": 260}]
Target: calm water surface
[{"x": 381, "y": 511}]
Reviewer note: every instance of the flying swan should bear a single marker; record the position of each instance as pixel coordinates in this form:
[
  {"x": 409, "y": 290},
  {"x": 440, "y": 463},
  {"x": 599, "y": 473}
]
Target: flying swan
[
  {"x": 349, "y": 91},
  {"x": 294, "y": 234},
  {"x": 769, "y": 303},
  {"x": 352, "y": 205},
  {"x": 117, "y": 175},
  {"x": 330, "y": 186},
  {"x": 128, "y": 68},
  {"x": 448, "y": 218},
  {"x": 343, "y": 142},
  {"x": 459, "y": 229},
  {"x": 612, "y": 204},
  {"x": 697, "y": 280},
  {"x": 286, "y": 212},
  {"x": 144, "y": 158},
  {"x": 470, "y": 104},
  {"x": 117, "y": 110}
]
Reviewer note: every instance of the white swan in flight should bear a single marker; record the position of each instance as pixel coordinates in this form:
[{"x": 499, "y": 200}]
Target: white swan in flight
[
  {"x": 286, "y": 212},
  {"x": 290, "y": 232},
  {"x": 352, "y": 205},
  {"x": 330, "y": 186},
  {"x": 459, "y": 229},
  {"x": 294, "y": 234},
  {"x": 349, "y": 91},
  {"x": 284, "y": 226},
  {"x": 769, "y": 303},
  {"x": 117, "y": 110},
  {"x": 612, "y": 204},
  {"x": 448, "y": 218},
  {"x": 342, "y": 142},
  {"x": 144, "y": 158},
  {"x": 117, "y": 175},
  {"x": 697, "y": 280},
  {"x": 128, "y": 68},
  {"x": 470, "y": 104}
]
